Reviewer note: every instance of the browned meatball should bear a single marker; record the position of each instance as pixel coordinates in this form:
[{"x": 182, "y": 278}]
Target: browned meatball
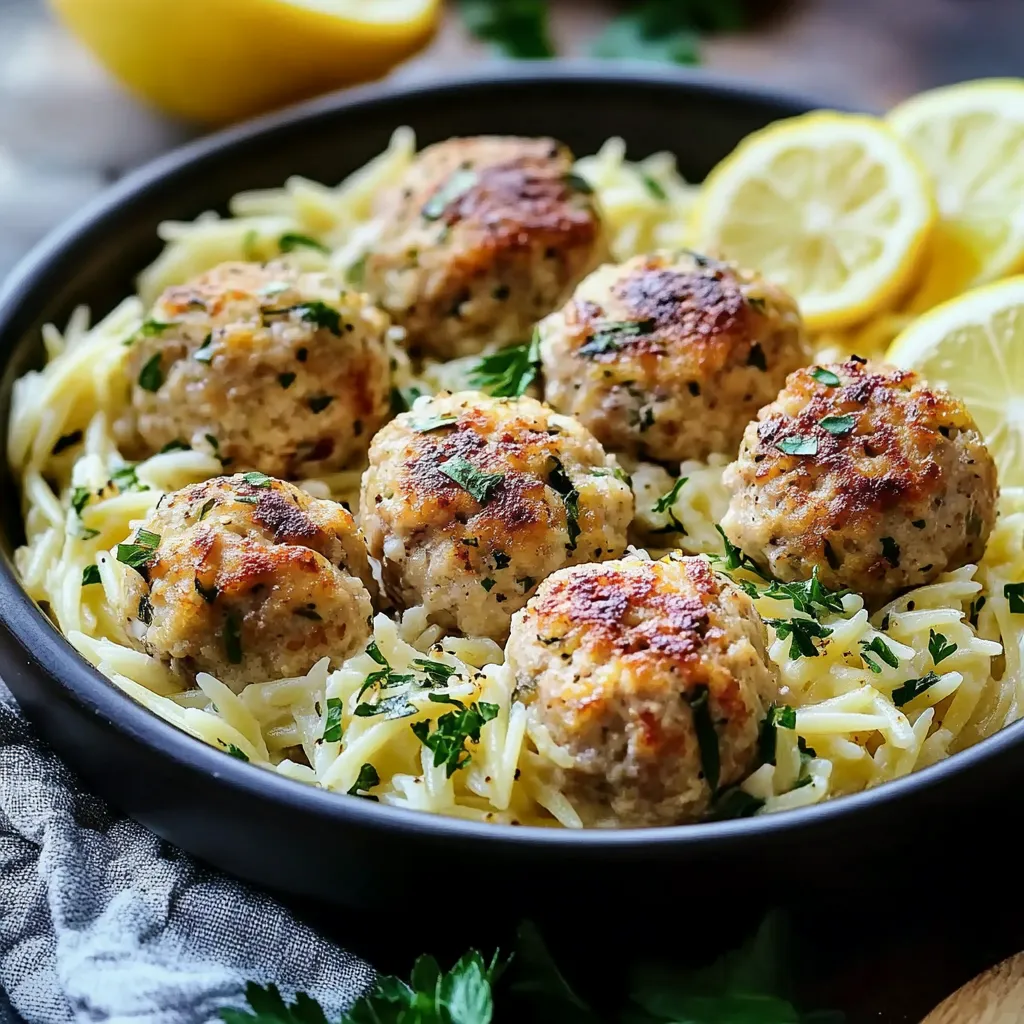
[
  {"x": 668, "y": 356},
  {"x": 249, "y": 579},
  {"x": 653, "y": 677},
  {"x": 866, "y": 473},
  {"x": 285, "y": 371},
  {"x": 483, "y": 238}
]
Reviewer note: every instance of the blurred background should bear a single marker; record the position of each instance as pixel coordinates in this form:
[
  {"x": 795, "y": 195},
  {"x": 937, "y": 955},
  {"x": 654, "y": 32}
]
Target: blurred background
[{"x": 68, "y": 126}]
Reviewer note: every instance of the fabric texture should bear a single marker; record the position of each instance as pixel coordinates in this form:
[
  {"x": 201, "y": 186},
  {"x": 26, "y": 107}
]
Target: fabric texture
[{"x": 102, "y": 921}]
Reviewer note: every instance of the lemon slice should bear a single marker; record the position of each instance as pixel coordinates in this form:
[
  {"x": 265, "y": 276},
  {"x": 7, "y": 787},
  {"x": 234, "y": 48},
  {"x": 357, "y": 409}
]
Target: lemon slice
[
  {"x": 974, "y": 345},
  {"x": 831, "y": 206},
  {"x": 970, "y": 139},
  {"x": 220, "y": 60}
]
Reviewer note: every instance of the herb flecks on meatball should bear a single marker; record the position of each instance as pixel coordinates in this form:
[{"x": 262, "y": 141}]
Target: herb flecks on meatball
[
  {"x": 482, "y": 238},
  {"x": 470, "y": 501},
  {"x": 865, "y": 473},
  {"x": 666, "y": 357},
  {"x": 653, "y": 677},
  {"x": 273, "y": 369},
  {"x": 247, "y": 578}
]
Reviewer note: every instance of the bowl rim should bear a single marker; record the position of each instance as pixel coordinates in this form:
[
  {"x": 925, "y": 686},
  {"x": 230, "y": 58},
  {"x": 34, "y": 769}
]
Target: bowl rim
[{"x": 51, "y": 651}]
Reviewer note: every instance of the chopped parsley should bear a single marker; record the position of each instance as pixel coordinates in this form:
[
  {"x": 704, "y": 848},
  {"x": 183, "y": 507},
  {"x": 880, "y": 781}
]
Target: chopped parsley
[
  {"x": 472, "y": 480},
  {"x": 90, "y": 575},
  {"x": 891, "y": 552},
  {"x": 204, "y": 354},
  {"x": 559, "y": 481},
  {"x": 332, "y": 721},
  {"x": 319, "y": 402},
  {"x": 734, "y": 558},
  {"x": 734, "y": 803},
  {"x": 234, "y": 751},
  {"x": 880, "y": 648},
  {"x": 838, "y": 425},
  {"x": 79, "y": 499},
  {"x": 518, "y": 29},
  {"x": 291, "y": 240},
  {"x": 391, "y": 708},
  {"x": 125, "y": 478},
  {"x": 780, "y": 716},
  {"x": 509, "y": 372},
  {"x": 578, "y": 184},
  {"x": 233, "y": 638},
  {"x": 317, "y": 313},
  {"x": 664, "y": 505},
  {"x": 975, "y": 609},
  {"x": 208, "y": 594},
  {"x": 488, "y": 584},
  {"x": 939, "y": 647},
  {"x": 826, "y": 377},
  {"x": 798, "y": 444},
  {"x": 756, "y": 357},
  {"x": 65, "y": 441},
  {"x": 366, "y": 779},
  {"x": 808, "y": 596},
  {"x": 286, "y": 380},
  {"x": 1014, "y": 593},
  {"x": 501, "y": 560},
  {"x": 613, "y": 335},
  {"x": 654, "y": 187},
  {"x": 374, "y": 654},
  {"x": 439, "y": 672},
  {"x": 434, "y": 423},
  {"x": 177, "y": 445},
  {"x": 140, "y": 552},
  {"x": 913, "y": 688},
  {"x": 152, "y": 328},
  {"x": 403, "y": 398},
  {"x": 145, "y": 610},
  {"x": 526, "y": 582},
  {"x": 356, "y": 273},
  {"x": 452, "y": 730},
  {"x": 707, "y": 738},
  {"x": 151, "y": 376},
  {"x": 457, "y": 185},
  {"x": 803, "y": 632},
  {"x": 257, "y": 479}
]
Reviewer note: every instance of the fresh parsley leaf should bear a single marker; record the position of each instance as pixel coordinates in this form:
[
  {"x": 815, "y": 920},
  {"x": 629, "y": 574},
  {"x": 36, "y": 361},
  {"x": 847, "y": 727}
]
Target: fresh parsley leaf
[
  {"x": 286, "y": 380},
  {"x": 501, "y": 560},
  {"x": 643, "y": 34},
  {"x": 559, "y": 481},
  {"x": 810, "y": 597},
  {"x": 79, "y": 499},
  {"x": 356, "y": 273},
  {"x": 391, "y": 708},
  {"x": 654, "y": 187},
  {"x": 332, "y": 720},
  {"x": 613, "y": 335},
  {"x": 366, "y": 779},
  {"x": 883, "y": 650},
  {"x": 233, "y": 638},
  {"x": 780, "y": 716},
  {"x": 319, "y": 402},
  {"x": 236, "y": 752},
  {"x": 208, "y": 594},
  {"x": 939, "y": 647},
  {"x": 257, "y": 479},
  {"x": 176, "y": 445},
  {"x": 516, "y": 28},
  {"x": 204, "y": 354},
  {"x": 804, "y": 632},
  {"x": 912, "y": 688},
  {"x": 734, "y": 803},
  {"x": 125, "y": 478},
  {"x": 373, "y": 652},
  {"x": 140, "y": 552},
  {"x": 838, "y": 425},
  {"x": 707, "y": 737},
  {"x": 434, "y": 423},
  {"x": 438, "y": 671},
  {"x": 798, "y": 444},
  {"x": 667, "y": 500},
  {"x": 458, "y": 183},
  {"x": 448, "y": 739},
  {"x": 1014, "y": 593},
  {"x": 152, "y": 328},
  {"x": 479, "y": 484},
  {"x": 734, "y": 558},
  {"x": 488, "y": 584},
  {"x": 267, "y": 1007},
  {"x": 290, "y": 241},
  {"x": 65, "y": 441},
  {"x": 151, "y": 376},
  {"x": 90, "y": 575},
  {"x": 891, "y": 552},
  {"x": 826, "y": 377},
  {"x": 578, "y": 183},
  {"x": 509, "y": 372},
  {"x": 317, "y": 313},
  {"x": 403, "y": 398}
]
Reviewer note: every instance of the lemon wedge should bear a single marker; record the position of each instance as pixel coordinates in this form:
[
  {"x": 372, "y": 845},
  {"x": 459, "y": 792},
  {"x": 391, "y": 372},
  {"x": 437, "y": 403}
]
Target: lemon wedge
[
  {"x": 970, "y": 139},
  {"x": 220, "y": 60},
  {"x": 832, "y": 206},
  {"x": 975, "y": 346}
]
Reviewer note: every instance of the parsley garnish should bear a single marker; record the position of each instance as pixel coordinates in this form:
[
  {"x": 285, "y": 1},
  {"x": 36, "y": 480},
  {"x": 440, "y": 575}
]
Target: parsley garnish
[
  {"x": 66, "y": 441},
  {"x": 654, "y": 187},
  {"x": 448, "y": 740},
  {"x": 882, "y": 649},
  {"x": 402, "y": 398},
  {"x": 559, "y": 481},
  {"x": 79, "y": 499},
  {"x": 509, "y": 372},
  {"x": 707, "y": 738},
  {"x": 390, "y": 707},
  {"x": 458, "y": 184},
  {"x": 891, "y": 552},
  {"x": 1014, "y": 593},
  {"x": 826, "y": 377},
  {"x": 90, "y": 575},
  {"x": 472, "y": 480},
  {"x": 373, "y": 652},
  {"x": 912, "y": 688},
  {"x": 177, "y": 445},
  {"x": 332, "y": 722},
  {"x": 208, "y": 594},
  {"x": 526, "y": 582},
  {"x": 233, "y": 638},
  {"x": 517, "y": 28},
  {"x": 488, "y": 584},
  {"x": 975, "y": 609},
  {"x": 664, "y": 504},
  {"x": 125, "y": 478},
  {"x": 319, "y": 402},
  {"x": 366, "y": 779},
  {"x": 204, "y": 354},
  {"x": 356, "y": 273},
  {"x": 151, "y": 376},
  {"x": 317, "y": 313},
  {"x": 804, "y": 632},
  {"x": 578, "y": 183},
  {"x": 808, "y": 596},
  {"x": 613, "y": 335},
  {"x": 234, "y": 751},
  {"x": 939, "y": 647},
  {"x": 434, "y": 423},
  {"x": 152, "y": 328},
  {"x": 286, "y": 380},
  {"x": 291, "y": 240},
  {"x": 501, "y": 560},
  {"x": 137, "y": 554},
  {"x": 438, "y": 671},
  {"x": 734, "y": 803},
  {"x": 734, "y": 558},
  {"x": 798, "y": 444},
  {"x": 780, "y": 716},
  {"x": 838, "y": 425},
  {"x": 257, "y": 479}
]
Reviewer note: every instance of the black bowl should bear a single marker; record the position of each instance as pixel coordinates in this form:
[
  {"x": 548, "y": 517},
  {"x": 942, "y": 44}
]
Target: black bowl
[{"x": 297, "y": 839}]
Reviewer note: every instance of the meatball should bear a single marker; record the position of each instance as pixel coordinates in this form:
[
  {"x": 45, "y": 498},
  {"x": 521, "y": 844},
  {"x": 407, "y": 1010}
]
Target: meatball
[
  {"x": 667, "y": 357},
  {"x": 865, "y": 473},
  {"x": 483, "y": 238},
  {"x": 653, "y": 677},
  {"x": 279, "y": 370},
  {"x": 469, "y": 502},
  {"x": 248, "y": 579}
]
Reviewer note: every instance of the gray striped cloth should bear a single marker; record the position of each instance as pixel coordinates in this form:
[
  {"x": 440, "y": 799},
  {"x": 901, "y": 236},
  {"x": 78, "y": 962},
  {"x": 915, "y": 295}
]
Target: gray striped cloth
[{"x": 102, "y": 921}]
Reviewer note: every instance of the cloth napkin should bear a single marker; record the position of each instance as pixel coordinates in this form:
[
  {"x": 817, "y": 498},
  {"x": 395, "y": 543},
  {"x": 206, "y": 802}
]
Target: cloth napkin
[{"x": 102, "y": 921}]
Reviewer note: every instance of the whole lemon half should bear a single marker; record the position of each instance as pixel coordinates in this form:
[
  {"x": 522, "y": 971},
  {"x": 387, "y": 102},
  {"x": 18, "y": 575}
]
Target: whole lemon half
[{"x": 221, "y": 60}]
